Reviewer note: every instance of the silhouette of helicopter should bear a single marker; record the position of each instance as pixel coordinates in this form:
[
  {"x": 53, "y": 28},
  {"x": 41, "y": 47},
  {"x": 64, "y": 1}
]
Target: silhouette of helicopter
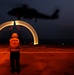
[{"x": 30, "y": 13}]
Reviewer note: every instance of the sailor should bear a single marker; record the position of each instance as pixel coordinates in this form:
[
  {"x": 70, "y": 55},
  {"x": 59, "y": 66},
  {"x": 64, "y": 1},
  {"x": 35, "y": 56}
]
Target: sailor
[{"x": 14, "y": 53}]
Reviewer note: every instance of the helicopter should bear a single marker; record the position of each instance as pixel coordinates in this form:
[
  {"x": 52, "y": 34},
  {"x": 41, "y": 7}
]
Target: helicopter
[{"x": 31, "y": 13}]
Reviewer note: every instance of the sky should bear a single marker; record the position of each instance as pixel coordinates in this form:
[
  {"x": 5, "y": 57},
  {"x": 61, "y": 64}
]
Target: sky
[{"x": 62, "y": 28}]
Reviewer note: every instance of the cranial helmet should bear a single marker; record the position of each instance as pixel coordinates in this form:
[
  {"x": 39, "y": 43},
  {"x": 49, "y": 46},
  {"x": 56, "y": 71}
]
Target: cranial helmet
[{"x": 14, "y": 35}]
